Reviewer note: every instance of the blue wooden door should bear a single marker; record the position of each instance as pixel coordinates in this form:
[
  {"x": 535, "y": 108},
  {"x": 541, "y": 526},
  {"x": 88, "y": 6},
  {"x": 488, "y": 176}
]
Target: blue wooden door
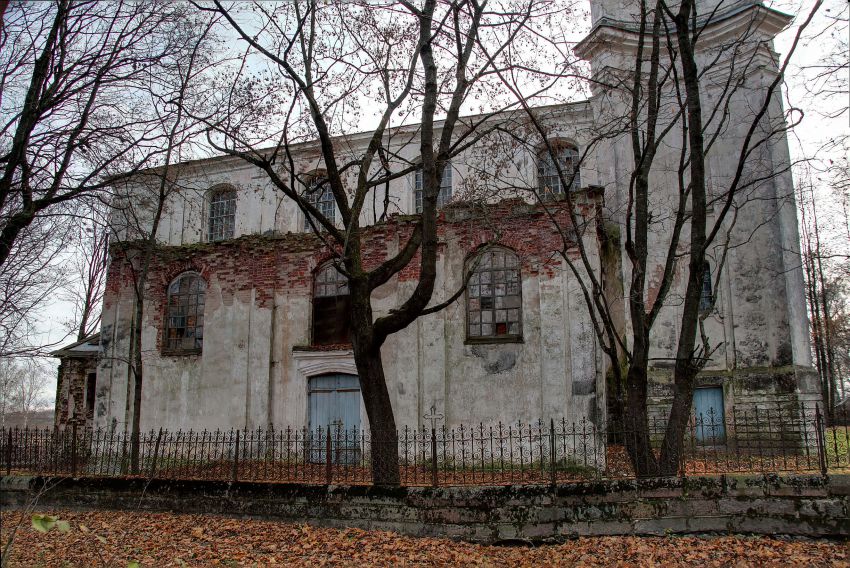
[
  {"x": 709, "y": 424},
  {"x": 335, "y": 403}
]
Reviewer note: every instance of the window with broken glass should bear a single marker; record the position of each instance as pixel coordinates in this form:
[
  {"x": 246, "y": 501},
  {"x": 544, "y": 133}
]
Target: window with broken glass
[
  {"x": 320, "y": 196},
  {"x": 184, "y": 322},
  {"x": 494, "y": 297},
  {"x": 222, "y": 218},
  {"x": 445, "y": 194},
  {"x": 331, "y": 306},
  {"x": 548, "y": 180}
]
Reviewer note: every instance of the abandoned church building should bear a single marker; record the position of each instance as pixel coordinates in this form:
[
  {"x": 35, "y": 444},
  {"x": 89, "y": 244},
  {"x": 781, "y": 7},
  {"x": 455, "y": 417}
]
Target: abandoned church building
[{"x": 245, "y": 315}]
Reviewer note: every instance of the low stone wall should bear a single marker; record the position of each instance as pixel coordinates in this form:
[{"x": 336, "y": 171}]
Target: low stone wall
[{"x": 795, "y": 505}]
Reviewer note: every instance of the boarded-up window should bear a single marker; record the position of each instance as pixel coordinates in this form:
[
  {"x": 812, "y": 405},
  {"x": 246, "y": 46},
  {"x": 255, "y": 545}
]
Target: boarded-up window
[
  {"x": 548, "y": 181},
  {"x": 494, "y": 297},
  {"x": 331, "y": 307},
  {"x": 184, "y": 321}
]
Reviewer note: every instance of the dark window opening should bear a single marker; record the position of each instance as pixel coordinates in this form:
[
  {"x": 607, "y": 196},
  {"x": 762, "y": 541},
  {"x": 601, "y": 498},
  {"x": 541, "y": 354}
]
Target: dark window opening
[
  {"x": 91, "y": 385},
  {"x": 184, "y": 318},
  {"x": 331, "y": 307}
]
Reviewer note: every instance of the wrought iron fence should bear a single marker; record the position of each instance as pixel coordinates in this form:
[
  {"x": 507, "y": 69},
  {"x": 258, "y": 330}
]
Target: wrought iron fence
[{"x": 776, "y": 439}]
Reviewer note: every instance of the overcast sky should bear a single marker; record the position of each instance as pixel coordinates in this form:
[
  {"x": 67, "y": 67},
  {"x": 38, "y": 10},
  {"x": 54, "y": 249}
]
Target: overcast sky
[{"x": 813, "y": 133}]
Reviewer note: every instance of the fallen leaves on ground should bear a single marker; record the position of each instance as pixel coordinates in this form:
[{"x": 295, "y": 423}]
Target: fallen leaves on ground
[{"x": 108, "y": 538}]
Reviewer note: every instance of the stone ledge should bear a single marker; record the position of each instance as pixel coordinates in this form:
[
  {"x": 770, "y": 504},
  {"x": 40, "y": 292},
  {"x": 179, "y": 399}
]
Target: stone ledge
[{"x": 764, "y": 504}]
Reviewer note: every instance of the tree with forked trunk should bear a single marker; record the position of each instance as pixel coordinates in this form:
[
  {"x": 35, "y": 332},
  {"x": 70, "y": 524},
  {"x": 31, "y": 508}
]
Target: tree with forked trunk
[
  {"x": 669, "y": 87},
  {"x": 400, "y": 62}
]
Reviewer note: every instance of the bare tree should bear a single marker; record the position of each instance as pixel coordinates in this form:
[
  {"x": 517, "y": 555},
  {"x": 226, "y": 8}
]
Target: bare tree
[
  {"x": 73, "y": 113},
  {"x": 22, "y": 384},
  {"x": 86, "y": 279},
  {"x": 332, "y": 63},
  {"x": 29, "y": 284},
  {"x": 657, "y": 100},
  {"x": 140, "y": 198}
]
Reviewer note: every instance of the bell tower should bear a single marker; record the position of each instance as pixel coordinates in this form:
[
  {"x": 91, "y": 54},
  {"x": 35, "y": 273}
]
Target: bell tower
[{"x": 759, "y": 320}]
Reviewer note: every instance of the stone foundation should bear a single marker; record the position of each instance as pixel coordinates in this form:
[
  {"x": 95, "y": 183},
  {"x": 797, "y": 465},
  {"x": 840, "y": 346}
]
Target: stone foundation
[{"x": 804, "y": 505}]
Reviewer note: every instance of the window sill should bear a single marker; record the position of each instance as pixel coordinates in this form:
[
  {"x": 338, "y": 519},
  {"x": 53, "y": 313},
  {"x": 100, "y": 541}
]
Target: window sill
[
  {"x": 325, "y": 347},
  {"x": 181, "y": 352},
  {"x": 493, "y": 340}
]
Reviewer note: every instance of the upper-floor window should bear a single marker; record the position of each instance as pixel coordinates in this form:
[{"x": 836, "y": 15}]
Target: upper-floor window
[
  {"x": 320, "y": 196},
  {"x": 494, "y": 296},
  {"x": 331, "y": 306},
  {"x": 184, "y": 318},
  {"x": 445, "y": 194},
  {"x": 548, "y": 180},
  {"x": 706, "y": 299},
  {"x": 222, "y": 219}
]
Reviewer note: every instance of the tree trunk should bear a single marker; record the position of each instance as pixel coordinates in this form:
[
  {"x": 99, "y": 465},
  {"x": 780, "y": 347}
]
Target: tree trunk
[
  {"x": 383, "y": 432},
  {"x": 373, "y": 386},
  {"x": 636, "y": 423},
  {"x": 677, "y": 423},
  {"x": 136, "y": 363}
]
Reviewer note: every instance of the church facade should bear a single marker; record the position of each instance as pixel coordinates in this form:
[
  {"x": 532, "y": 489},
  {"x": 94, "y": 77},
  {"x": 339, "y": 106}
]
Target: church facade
[{"x": 245, "y": 322}]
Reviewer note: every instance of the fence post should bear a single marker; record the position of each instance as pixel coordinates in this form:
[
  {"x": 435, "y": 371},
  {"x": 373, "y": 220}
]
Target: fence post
[
  {"x": 328, "y": 458},
  {"x": 553, "y": 478},
  {"x": 156, "y": 453},
  {"x": 821, "y": 440},
  {"x": 235, "y": 474},
  {"x": 433, "y": 456},
  {"x": 9, "y": 453},
  {"x": 74, "y": 450}
]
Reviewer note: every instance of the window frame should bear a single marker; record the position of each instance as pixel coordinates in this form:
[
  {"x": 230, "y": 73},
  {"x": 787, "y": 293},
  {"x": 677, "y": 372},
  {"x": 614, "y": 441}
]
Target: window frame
[
  {"x": 322, "y": 300},
  {"x": 446, "y": 188},
  {"x": 319, "y": 194},
  {"x": 707, "y": 298},
  {"x": 215, "y": 217},
  {"x": 546, "y": 170},
  {"x": 199, "y": 305},
  {"x": 473, "y": 292}
]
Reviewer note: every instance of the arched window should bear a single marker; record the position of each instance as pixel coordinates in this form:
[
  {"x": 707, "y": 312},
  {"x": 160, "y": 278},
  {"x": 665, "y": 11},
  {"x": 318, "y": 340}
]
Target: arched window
[
  {"x": 445, "y": 194},
  {"x": 222, "y": 218},
  {"x": 320, "y": 196},
  {"x": 184, "y": 318},
  {"x": 494, "y": 296},
  {"x": 331, "y": 305},
  {"x": 548, "y": 181}
]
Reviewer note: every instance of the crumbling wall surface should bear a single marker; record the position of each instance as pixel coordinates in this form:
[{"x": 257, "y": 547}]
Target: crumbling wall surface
[
  {"x": 257, "y": 355},
  {"x": 802, "y": 505},
  {"x": 71, "y": 392}
]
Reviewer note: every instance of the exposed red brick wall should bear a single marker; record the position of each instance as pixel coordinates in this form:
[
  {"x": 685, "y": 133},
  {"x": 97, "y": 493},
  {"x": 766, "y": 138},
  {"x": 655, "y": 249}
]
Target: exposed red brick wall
[{"x": 267, "y": 264}]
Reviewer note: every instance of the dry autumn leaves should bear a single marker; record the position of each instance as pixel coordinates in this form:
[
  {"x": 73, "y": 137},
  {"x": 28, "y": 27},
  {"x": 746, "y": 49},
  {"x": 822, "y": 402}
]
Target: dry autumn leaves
[{"x": 106, "y": 538}]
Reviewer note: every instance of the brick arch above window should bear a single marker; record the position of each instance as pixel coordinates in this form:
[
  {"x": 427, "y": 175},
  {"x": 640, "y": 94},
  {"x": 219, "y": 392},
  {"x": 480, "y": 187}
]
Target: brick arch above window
[
  {"x": 494, "y": 296},
  {"x": 184, "y": 315},
  {"x": 221, "y": 213}
]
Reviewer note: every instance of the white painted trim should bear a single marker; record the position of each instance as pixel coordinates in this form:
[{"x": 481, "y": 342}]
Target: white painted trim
[{"x": 312, "y": 363}]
